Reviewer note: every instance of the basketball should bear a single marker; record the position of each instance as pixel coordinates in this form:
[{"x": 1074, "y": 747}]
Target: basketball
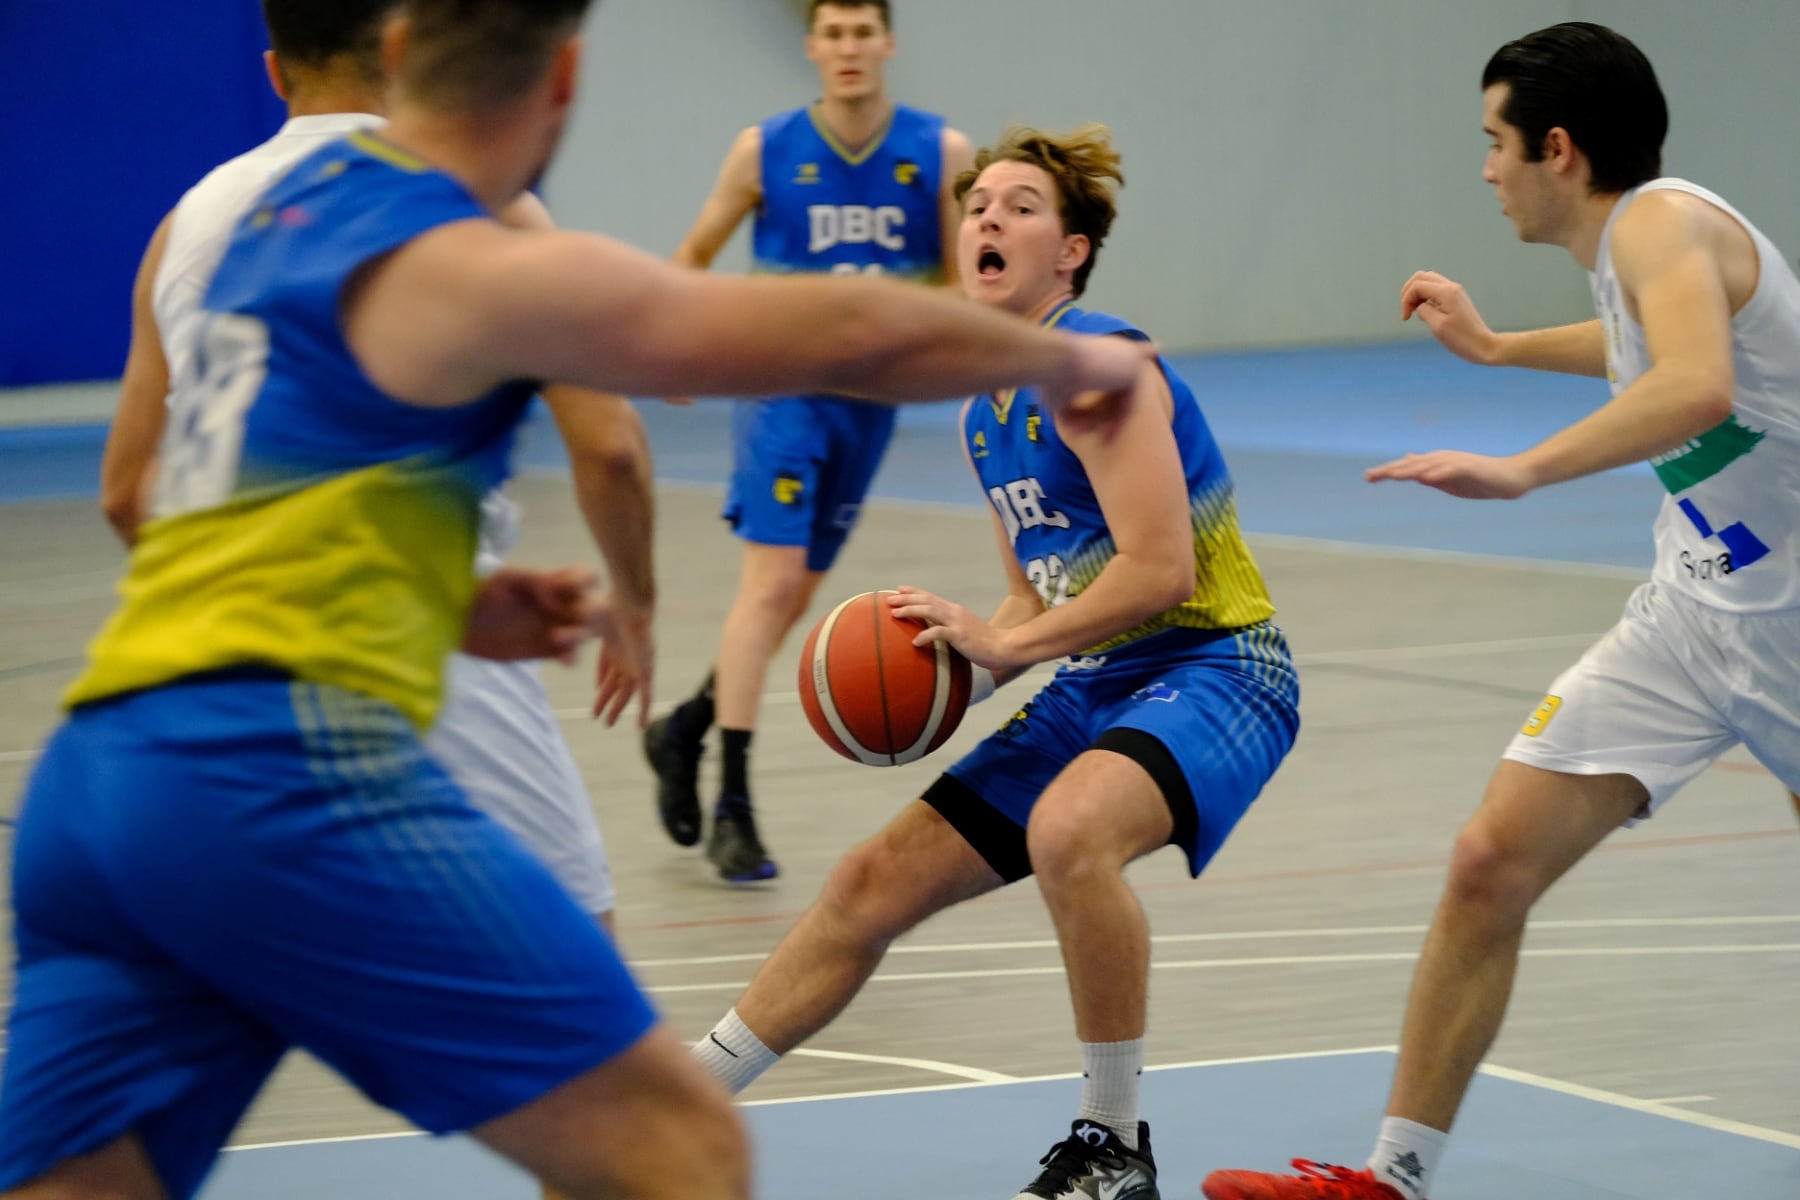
[{"x": 870, "y": 693}]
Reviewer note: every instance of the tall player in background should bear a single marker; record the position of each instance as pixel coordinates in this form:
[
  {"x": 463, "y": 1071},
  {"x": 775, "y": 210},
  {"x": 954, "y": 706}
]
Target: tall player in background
[
  {"x": 1698, "y": 330},
  {"x": 496, "y": 733},
  {"x": 1175, "y": 705},
  {"x": 853, "y": 182}
]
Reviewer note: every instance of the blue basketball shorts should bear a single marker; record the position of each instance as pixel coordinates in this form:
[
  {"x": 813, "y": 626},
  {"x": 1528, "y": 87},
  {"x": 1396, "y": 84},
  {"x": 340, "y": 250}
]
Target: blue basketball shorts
[
  {"x": 211, "y": 872},
  {"x": 801, "y": 468},
  {"x": 1209, "y": 714}
]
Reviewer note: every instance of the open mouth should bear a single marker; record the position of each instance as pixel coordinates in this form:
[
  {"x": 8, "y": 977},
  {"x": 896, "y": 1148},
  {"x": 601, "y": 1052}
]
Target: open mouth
[{"x": 991, "y": 265}]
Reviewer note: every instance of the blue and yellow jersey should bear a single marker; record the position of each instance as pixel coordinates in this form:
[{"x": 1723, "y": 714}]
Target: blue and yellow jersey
[
  {"x": 826, "y": 209},
  {"x": 303, "y": 520},
  {"x": 1041, "y": 492}
]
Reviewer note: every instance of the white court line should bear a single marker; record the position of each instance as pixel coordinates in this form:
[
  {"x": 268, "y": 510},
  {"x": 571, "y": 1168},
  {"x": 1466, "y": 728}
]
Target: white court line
[
  {"x": 1294, "y": 960},
  {"x": 957, "y": 1087},
  {"x": 1253, "y": 935},
  {"x": 999, "y": 1081},
  {"x": 1652, "y": 1107},
  {"x": 1683, "y": 1100},
  {"x": 920, "y": 1064}
]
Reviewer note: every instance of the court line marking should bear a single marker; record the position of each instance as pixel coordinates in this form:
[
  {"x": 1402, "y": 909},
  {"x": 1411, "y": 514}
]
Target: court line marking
[
  {"x": 1245, "y": 935},
  {"x": 1062, "y": 1075},
  {"x": 1580, "y": 1091},
  {"x": 1682, "y": 1100},
  {"x": 1652, "y": 1107},
  {"x": 1285, "y": 960},
  {"x": 976, "y": 1074},
  {"x": 999, "y": 1081}
]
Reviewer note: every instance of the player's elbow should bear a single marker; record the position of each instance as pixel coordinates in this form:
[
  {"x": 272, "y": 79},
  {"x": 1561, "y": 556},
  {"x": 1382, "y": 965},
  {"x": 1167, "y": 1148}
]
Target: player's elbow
[
  {"x": 1169, "y": 579},
  {"x": 1712, "y": 402},
  {"x": 120, "y": 505}
]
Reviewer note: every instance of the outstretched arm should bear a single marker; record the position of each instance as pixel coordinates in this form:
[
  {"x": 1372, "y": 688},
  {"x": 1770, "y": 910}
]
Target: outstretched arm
[
  {"x": 1670, "y": 271},
  {"x": 469, "y": 305},
  {"x": 1447, "y": 311},
  {"x": 137, "y": 426}
]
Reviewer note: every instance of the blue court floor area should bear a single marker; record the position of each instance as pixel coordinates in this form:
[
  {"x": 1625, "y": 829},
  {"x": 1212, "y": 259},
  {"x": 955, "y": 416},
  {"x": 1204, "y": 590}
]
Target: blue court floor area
[
  {"x": 1298, "y": 428},
  {"x": 1519, "y": 1138}
]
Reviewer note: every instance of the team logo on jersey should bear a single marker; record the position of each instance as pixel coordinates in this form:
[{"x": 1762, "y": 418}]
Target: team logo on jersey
[
  {"x": 980, "y": 444},
  {"x": 1160, "y": 692},
  {"x": 1021, "y": 504},
  {"x": 906, "y": 172},
  {"x": 1541, "y": 718},
  {"x": 788, "y": 487},
  {"x": 1033, "y": 422},
  {"x": 855, "y": 225},
  {"x": 808, "y": 173}
]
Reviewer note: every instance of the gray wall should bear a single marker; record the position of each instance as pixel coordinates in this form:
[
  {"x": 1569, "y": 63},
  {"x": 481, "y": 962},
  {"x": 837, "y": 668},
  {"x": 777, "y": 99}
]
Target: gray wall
[{"x": 1289, "y": 161}]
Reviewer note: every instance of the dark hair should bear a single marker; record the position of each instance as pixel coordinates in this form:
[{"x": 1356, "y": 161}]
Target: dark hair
[
  {"x": 1086, "y": 170},
  {"x": 473, "y": 53},
  {"x": 812, "y": 11},
  {"x": 321, "y": 33},
  {"x": 1592, "y": 82}
]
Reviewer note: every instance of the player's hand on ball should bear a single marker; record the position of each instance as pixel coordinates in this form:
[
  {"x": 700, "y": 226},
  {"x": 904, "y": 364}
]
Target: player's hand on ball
[
  {"x": 965, "y": 632},
  {"x": 1471, "y": 476},
  {"x": 627, "y": 657},
  {"x": 520, "y": 613},
  {"x": 1450, "y": 315}
]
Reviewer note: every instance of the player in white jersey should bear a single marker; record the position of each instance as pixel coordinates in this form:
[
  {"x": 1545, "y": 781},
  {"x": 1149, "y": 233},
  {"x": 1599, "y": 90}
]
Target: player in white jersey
[
  {"x": 1699, "y": 333},
  {"x": 496, "y": 732}
]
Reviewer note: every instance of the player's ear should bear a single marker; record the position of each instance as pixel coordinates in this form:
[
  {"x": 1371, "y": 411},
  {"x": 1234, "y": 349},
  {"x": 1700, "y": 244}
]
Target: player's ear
[
  {"x": 1559, "y": 149},
  {"x": 565, "y": 71},
  {"x": 394, "y": 37},
  {"x": 1075, "y": 250},
  {"x": 272, "y": 65}
]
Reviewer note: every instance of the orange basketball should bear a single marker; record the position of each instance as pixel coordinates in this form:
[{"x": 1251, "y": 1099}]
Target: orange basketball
[{"x": 870, "y": 693}]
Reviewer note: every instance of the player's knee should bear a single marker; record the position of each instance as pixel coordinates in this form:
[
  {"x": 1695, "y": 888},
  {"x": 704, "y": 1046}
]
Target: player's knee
[
  {"x": 866, "y": 894},
  {"x": 1488, "y": 873},
  {"x": 1067, "y": 851}
]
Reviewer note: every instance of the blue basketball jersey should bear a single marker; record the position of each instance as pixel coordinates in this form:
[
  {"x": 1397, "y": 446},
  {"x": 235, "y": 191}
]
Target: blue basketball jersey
[
  {"x": 303, "y": 519},
  {"x": 826, "y": 209},
  {"x": 1040, "y": 491}
]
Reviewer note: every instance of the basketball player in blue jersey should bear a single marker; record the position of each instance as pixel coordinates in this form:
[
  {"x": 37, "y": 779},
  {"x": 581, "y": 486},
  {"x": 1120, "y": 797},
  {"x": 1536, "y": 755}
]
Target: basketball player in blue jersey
[
  {"x": 234, "y": 844},
  {"x": 496, "y": 733},
  {"x": 1176, "y": 701},
  {"x": 851, "y": 183}
]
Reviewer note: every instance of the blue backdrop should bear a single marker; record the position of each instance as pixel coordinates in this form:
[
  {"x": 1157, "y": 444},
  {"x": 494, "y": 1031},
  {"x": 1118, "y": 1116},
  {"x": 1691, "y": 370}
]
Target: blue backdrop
[{"x": 113, "y": 109}]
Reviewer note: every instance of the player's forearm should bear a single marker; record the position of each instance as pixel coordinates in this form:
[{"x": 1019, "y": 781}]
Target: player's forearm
[
  {"x": 693, "y": 255},
  {"x": 1126, "y": 593},
  {"x": 614, "y": 489},
  {"x": 1568, "y": 349},
  {"x": 1013, "y": 612},
  {"x": 899, "y": 343},
  {"x": 1663, "y": 410}
]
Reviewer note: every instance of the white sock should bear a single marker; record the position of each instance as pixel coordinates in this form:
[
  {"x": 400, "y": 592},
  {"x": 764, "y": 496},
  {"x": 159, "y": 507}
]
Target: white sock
[
  {"x": 1109, "y": 1086},
  {"x": 1406, "y": 1155},
  {"x": 733, "y": 1055}
]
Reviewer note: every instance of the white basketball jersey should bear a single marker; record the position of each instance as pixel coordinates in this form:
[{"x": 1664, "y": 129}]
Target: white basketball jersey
[
  {"x": 202, "y": 224},
  {"x": 1728, "y": 534}
]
